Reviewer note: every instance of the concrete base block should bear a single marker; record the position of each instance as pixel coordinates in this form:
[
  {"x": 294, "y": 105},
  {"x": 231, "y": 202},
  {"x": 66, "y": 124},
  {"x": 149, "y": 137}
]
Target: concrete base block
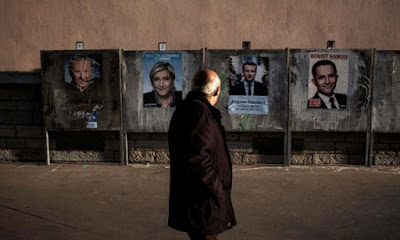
[
  {"x": 81, "y": 156},
  {"x": 304, "y": 159},
  {"x": 387, "y": 159},
  {"x": 264, "y": 159},
  {"x": 148, "y": 156},
  {"x": 236, "y": 157},
  {"x": 9, "y": 155},
  {"x": 330, "y": 159}
]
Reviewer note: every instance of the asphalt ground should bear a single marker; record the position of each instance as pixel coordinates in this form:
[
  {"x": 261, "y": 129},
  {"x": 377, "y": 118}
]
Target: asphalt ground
[{"x": 77, "y": 201}]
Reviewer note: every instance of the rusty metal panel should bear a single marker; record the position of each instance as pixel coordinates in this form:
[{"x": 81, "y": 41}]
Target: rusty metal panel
[
  {"x": 81, "y": 90},
  {"x": 136, "y": 65},
  {"x": 310, "y": 112},
  {"x": 262, "y": 113},
  {"x": 386, "y": 92}
]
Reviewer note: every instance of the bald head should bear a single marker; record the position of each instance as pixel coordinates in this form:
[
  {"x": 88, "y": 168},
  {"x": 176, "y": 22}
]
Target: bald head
[{"x": 207, "y": 82}]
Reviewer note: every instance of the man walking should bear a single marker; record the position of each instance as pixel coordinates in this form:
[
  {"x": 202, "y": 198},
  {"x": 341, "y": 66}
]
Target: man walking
[{"x": 201, "y": 169}]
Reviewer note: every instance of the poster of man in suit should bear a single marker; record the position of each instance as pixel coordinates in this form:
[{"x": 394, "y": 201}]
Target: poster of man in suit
[
  {"x": 248, "y": 85},
  {"x": 328, "y": 74}
]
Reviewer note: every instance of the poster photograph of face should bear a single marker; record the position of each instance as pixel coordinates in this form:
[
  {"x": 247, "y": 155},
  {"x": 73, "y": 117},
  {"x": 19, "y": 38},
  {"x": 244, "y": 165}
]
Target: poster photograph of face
[
  {"x": 328, "y": 74},
  {"x": 162, "y": 84},
  {"x": 83, "y": 89},
  {"x": 248, "y": 85}
]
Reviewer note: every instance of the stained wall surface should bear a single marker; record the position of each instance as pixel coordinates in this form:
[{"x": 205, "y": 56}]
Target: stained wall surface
[{"x": 31, "y": 26}]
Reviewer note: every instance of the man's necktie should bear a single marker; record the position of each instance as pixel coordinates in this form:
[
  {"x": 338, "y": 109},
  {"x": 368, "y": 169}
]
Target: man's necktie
[
  {"x": 249, "y": 92},
  {"x": 332, "y": 101}
]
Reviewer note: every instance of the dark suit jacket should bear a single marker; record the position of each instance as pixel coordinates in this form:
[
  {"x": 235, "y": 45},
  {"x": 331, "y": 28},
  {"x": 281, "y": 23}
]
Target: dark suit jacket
[
  {"x": 341, "y": 98},
  {"x": 259, "y": 89},
  {"x": 201, "y": 169}
]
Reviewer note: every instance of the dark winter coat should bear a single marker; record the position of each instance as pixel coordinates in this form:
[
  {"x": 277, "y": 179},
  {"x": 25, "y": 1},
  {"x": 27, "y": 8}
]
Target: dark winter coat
[{"x": 201, "y": 169}]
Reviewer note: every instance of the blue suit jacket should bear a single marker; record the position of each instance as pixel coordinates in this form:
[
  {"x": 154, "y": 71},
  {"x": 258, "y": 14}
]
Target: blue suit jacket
[{"x": 259, "y": 89}]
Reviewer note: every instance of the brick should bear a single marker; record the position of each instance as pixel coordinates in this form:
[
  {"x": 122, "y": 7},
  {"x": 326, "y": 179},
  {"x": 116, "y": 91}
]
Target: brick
[
  {"x": 29, "y": 105},
  {"x": 356, "y": 159},
  {"x": 330, "y": 137},
  {"x": 151, "y": 144},
  {"x": 8, "y": 105},
  {"x": 33, "y": 78},
  {"x": 395, "y": 147},
  {"x": 37, "y": 118},
  {"x": 355, "y": 137},
  {"x": 381, "y": 147},
  {"x": 20, "y": 105},
  {"x": 35, "y": 143},
  {"x": 158, "y": 136},
  {"x": 26, "y": 92},
  {"x": 33, "y": 155},
  {"x": 240, "y": 146},
  {"x": 297, "y": 145},
  {"x": 4, "y": 93},
  {"x": 29, "y": 131},
  {"x": 112, "y": 144},
  {"x": 15, "y": 117},
  {"x": 388, "y": 138},
  {"x": 319, "y": 146},
  {"x": 249, "y": 136},
  {"x": 232, "y": 136},
  {"x": 8, "y": 131},
  {"x": 138, "y": 136},
  {"x": 349, "y": 148},
  {"x": 304, "y": 136},
  {"x": 10, "y": 78},
  {"x": 15, "y": 143},
  {"x": 3, "y": 142}
]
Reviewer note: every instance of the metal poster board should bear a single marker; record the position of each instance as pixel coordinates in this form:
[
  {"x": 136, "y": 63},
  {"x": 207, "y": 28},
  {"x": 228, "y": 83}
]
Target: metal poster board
[
  {"x": 81, "y": 90},
  {"x": 386, "y": 92},
  {"x": 154, "y": 83},
  {"x": 330, "y": 89},
  {"x": 254, "y": 88}
]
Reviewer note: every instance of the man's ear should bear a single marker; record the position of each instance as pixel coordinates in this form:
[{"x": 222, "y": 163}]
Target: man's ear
[{"x": 216, "y": 92}]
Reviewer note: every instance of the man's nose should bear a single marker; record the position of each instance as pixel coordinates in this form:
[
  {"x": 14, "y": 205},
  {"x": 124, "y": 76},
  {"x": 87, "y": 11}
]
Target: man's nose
[{"x": 83, "y": 75}]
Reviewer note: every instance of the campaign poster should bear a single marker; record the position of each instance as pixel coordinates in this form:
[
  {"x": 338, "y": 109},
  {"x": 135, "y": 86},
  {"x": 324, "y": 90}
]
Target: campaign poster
[
  {"x": 328, "y": 80},
  {"x": 162, "y": 79},
  {"x": 84, "y": 95},
  {"x": 248, "y": 85}
]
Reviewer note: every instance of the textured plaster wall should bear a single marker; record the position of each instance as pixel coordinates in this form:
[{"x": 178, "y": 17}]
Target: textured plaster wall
[{"x": 30, "y": 26}]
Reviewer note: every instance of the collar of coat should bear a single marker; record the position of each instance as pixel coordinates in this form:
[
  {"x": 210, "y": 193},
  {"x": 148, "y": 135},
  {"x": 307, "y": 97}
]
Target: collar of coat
[{"x": 201, "y": 97}]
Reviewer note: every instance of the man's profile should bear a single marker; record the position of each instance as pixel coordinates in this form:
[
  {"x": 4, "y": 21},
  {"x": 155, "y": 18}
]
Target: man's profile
[
  {"x": 201, "y": 168},
  {"x": 249, "y": 87},
  {"x": 325, "y": 78}
]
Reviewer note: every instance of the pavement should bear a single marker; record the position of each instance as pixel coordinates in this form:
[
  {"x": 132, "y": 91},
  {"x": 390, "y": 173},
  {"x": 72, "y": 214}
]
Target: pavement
[{"x": 78, "y": 201}]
